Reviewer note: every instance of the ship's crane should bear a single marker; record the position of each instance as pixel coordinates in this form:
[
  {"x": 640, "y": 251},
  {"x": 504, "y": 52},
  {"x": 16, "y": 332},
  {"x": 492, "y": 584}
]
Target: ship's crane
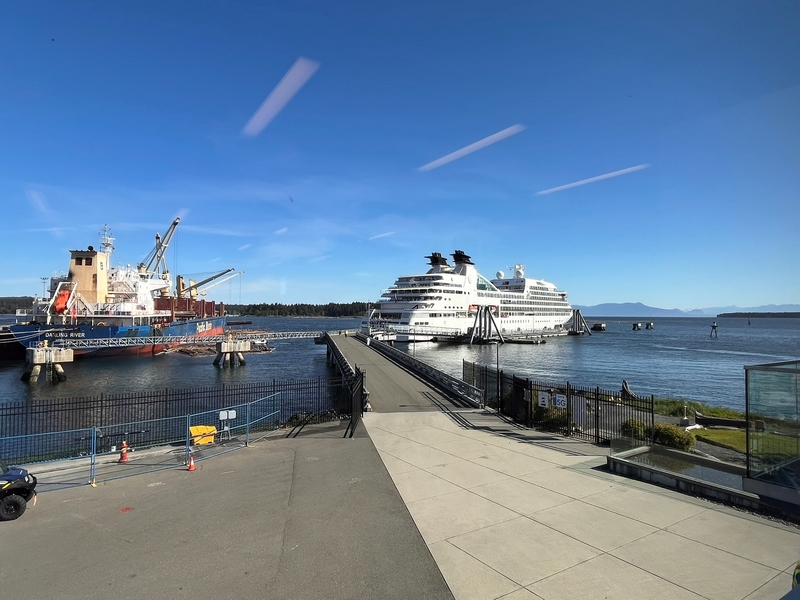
[
  {"x": 191, "y": 289},
  {"x": 150, "y": 265},
  {"x": 216, "y": 283}
]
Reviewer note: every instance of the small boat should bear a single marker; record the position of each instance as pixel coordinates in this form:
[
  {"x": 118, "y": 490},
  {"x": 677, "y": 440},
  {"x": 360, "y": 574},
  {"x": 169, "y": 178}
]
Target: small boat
[{"x": 598, "y": 327}]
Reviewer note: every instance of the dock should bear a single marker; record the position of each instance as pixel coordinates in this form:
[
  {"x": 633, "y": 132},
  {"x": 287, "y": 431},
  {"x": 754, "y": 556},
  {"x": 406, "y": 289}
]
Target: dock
[{"x": 432, "y": 498}]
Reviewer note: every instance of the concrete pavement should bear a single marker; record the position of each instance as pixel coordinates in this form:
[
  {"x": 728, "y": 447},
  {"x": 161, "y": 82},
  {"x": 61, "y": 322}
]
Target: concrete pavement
[
  {"x": 391, "y": 387},
  {"x": 428, "y": 505},
  {"x": 516, "y": 519}
]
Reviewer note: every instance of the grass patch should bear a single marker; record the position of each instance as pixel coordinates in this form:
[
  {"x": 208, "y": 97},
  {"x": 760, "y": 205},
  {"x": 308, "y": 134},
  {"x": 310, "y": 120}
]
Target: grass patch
[
  {"x": 673, "y": 407},
  {"x": 733, "y": 439},
  {"x": 768, "y": 446}
]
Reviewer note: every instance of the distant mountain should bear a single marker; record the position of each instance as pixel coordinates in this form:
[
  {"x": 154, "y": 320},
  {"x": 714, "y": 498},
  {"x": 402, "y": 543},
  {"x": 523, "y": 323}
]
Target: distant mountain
[
  {"x": 634, "y": 309},
  {"x": 637, "y": 309},
  {"x": 715, "y": 310}
]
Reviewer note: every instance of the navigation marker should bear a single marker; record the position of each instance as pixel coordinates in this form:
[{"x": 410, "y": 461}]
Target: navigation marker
[
  {"x": 295, "y": 78},
  {"x": 487, "y": 141}
]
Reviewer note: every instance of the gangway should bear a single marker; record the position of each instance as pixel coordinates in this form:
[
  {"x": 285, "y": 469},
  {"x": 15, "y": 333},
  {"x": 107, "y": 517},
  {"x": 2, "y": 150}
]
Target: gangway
[{"x": 177, "y": 340}]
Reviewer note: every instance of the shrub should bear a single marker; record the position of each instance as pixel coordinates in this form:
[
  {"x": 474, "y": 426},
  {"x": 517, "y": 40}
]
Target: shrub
[
  {"x": 550, "y": 417},
  {"x": 673, "y": 407},
  {"x": 634, "y": 428},
  {"x": 673, "y": 436}
]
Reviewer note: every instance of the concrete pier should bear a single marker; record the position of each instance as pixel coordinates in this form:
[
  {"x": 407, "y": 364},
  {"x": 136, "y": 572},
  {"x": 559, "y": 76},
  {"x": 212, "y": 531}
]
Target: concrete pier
[
  {"x": 231, "y": 351},
  {"x": 47, "y": 359}
]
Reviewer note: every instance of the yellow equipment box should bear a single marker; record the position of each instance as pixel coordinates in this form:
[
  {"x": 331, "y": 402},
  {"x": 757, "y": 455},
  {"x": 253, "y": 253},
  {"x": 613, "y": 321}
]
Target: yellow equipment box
[{"x": 202, "y": 434}]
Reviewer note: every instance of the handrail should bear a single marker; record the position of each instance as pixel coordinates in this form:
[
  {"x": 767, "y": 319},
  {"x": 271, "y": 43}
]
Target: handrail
[
  {"x": 345, "y": 367},
  {"x": 169, "y": 340},
  {"x": 462, "y": 389}
]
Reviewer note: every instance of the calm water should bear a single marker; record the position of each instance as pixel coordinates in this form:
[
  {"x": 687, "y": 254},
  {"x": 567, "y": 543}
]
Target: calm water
[
  {"x": 690, "y": 469},
  {"x": 676, "y": 359}
]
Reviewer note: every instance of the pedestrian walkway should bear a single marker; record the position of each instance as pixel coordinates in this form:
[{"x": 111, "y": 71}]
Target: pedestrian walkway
[
  {"x": 522, "y": 517},
  {"x": 429, "y": 504}
]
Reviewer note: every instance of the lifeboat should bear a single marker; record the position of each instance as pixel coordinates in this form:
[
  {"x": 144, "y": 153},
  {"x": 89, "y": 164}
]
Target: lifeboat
[{"x": 60, "y": 304}]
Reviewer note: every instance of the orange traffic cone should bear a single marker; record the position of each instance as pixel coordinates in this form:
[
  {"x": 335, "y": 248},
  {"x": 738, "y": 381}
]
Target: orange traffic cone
[{"x": 191, "y": 464}]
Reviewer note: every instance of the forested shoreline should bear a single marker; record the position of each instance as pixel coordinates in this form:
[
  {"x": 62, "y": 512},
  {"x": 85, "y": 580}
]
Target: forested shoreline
[
  {"x": 275, "y": 309},
  {"x": 10, "y": 304}
]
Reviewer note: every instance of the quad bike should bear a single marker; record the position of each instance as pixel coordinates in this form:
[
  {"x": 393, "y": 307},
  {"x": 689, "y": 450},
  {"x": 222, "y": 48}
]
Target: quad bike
[{"x": 17, "y": 488}]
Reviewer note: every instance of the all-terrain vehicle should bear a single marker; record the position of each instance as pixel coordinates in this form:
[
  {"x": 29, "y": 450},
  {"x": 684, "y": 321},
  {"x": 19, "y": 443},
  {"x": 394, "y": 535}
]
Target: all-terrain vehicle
[{"x": 17, "y": 488}]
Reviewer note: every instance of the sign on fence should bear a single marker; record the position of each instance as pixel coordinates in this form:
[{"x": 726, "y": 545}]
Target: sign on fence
[
  {"x": 560, "y": 400},
  {"x": 544, "y": 399},
  {"x": 579, "y": 410}
]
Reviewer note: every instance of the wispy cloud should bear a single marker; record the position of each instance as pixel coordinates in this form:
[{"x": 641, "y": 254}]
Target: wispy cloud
[
  {"x": 281, "y": 231},
  {"x": 593, "y": 179},
  {"x": 39, "y": 202},
  {"x": 381, "y": 235},
  {"x": 245, "y": 247},
  {"x": 295, "y": 78},
  {"x": 214, "y": 231},
  {"x": 480, "y": 144}
]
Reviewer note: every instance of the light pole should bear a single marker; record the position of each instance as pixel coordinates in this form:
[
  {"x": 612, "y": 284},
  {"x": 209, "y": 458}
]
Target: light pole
[{"x": 44, "y": 286}]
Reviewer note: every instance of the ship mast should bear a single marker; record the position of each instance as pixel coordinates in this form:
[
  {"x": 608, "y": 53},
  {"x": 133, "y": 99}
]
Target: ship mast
[{"x": 107, "y": 241}]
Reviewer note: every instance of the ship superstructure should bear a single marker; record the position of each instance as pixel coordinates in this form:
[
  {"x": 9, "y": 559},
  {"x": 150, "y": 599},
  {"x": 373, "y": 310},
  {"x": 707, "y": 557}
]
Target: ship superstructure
[{"x": 444, "y": 301}]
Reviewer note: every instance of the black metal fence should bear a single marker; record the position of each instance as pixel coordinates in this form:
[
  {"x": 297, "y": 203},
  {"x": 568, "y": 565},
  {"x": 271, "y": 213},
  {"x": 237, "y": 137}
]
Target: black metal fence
[
  {"x": 325, "y": 398},
  {"x": 591, "y": 414},
  {"x": 358, "y": 399}
]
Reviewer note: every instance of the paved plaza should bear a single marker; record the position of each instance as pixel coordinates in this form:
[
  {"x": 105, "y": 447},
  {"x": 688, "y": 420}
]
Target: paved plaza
[
  {"x": 425, "y": 504},
  {"x": 523, "y": 519}
]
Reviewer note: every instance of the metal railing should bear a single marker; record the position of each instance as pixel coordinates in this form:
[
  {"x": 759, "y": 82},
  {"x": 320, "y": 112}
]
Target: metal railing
[
  {"x": 469, "y": 393},
  {"x": 59, "y": 414},
  {"x": 86, "y": 456},
  {"x": 167, "y": 340},
  {"x": 358, "y": 399},
  {"x": 591, "y": 414},
  {"x": 346, "y": 369}
]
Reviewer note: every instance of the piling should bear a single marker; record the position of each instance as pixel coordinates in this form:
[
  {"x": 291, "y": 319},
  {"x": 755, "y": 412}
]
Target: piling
[
  {"x": 231, "y": 351},
  {"x": 50, "y": 360}
]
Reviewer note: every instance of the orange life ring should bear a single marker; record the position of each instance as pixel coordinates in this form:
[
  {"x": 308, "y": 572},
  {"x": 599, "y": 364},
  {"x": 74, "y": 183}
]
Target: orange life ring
[{"x": 60, "y": 305}]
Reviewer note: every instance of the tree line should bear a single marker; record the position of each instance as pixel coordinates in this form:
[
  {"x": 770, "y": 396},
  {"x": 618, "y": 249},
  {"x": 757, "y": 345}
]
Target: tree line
[
  {"x": 10, "y": 304},
  {"x": 275, "y": 309}
]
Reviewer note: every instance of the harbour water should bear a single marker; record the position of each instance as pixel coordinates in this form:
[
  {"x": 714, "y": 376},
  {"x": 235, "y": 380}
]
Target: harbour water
[{"x": 676, "y": 359}]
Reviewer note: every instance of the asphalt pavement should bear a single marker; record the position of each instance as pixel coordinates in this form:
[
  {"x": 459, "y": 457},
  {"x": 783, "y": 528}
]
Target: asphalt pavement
[{"x": 315, "y": 516}]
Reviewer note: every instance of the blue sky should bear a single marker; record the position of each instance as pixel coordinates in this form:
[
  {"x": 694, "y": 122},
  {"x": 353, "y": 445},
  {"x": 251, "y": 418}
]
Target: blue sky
[{"x": 133, "y": 113}]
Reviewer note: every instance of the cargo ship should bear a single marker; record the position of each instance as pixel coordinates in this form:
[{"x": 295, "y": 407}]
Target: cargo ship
[{"x": 98, "y": 301}]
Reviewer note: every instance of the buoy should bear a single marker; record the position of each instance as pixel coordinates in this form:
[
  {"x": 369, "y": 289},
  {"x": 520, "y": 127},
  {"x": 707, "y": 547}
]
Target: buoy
[{"x": 191, "y": 464}]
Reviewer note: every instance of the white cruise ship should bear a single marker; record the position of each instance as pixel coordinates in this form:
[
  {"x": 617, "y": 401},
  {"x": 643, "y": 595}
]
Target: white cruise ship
[{"x": 446, "y": 302}]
